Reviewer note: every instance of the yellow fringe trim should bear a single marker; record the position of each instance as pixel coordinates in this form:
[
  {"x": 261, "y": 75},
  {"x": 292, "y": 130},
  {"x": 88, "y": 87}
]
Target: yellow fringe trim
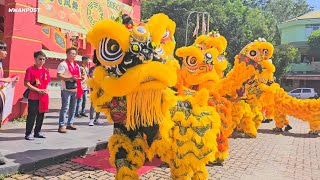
[
  {"x": 144, "y": 108},
  {"x": 136, "y": 157},
  {"x": 181, "y": 173},
  {"x": 200, "y": 173},
  {"x": 125, "y": 173},
  {"x": 221, "y": 156}
]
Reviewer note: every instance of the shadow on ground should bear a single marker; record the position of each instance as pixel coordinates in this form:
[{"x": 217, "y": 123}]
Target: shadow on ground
[
  {"x": 31, "y": 160},
  {"x": 270, "y": 131}
]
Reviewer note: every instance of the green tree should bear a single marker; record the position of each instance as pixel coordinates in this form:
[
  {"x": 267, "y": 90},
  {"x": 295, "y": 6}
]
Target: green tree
[
  {"x": 314, "y": 43},
  {"x": 240, "y": 21},
  {"x": 282, "y": 58},
  {"x": 240, "y": 24},
  {"x": 281, "y": 10},
  {"x": 284, "y": 10}
]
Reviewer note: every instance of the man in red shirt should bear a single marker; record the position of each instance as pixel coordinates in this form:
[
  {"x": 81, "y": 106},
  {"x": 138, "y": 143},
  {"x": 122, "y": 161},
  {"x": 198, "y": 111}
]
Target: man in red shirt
[{"x": 37, "y": 79}]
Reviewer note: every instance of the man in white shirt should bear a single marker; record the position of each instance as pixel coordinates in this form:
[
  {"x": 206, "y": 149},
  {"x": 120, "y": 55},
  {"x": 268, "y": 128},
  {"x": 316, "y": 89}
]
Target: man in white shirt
[{"x": 67, "y": 73}]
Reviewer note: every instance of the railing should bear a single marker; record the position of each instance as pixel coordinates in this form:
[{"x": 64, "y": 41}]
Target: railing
[{"x": 305, "y": 67}]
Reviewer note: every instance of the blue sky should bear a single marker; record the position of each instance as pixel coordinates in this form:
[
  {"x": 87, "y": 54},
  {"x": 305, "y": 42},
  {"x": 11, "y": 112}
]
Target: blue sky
[{"x": 315, "y": 4}]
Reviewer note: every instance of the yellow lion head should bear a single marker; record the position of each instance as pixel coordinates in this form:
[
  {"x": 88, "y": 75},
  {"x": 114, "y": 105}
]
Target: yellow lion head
[
  {"x": 129, "y": 61},
  {"x": 256, "y": 51},
  {"x": 197, "y": 65},
  {"x": 219, "y": 42},
  {"x": 162, "y": 30}
]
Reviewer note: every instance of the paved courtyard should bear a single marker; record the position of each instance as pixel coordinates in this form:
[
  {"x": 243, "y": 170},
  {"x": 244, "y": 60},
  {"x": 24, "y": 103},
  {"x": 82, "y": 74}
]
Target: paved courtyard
[{"x": 294, "y": 155}]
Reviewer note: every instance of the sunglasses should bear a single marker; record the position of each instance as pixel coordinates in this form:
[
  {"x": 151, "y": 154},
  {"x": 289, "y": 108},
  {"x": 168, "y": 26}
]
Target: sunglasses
[{"x": 3, "y": 48}]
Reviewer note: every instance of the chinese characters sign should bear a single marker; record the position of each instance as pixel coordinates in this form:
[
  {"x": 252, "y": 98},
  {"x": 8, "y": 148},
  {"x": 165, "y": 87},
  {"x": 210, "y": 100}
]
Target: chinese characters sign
[{"x": 79, "y": 15}]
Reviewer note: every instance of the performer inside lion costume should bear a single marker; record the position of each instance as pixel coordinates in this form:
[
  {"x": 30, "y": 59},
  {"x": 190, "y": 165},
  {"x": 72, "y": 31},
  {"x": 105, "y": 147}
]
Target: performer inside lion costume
[{"x": 131, "y": 86}]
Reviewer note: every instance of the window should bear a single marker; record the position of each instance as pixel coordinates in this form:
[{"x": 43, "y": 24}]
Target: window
[
  {"x": 287, "y": 82},
  {"x": 296, "y": 91},
  {"x": 310, "y": 28},
  {"x": 306, "y": 91}
]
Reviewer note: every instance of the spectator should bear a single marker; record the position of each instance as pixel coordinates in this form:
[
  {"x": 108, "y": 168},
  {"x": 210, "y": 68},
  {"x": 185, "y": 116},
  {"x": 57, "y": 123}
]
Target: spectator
[
  {"x": 69, "y": 73},
  {"x": 37, "y": 79},
  {"x": 83, "y": 100},
  {"x": 92, "y": 110},
  {"x": 3, "y": 54}
]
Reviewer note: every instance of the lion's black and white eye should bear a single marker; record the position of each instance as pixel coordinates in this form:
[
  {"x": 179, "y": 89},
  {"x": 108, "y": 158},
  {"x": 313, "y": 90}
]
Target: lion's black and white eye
[
  {"x": 110, "y": 50},
  {"x": 253, "y": 53},
  {"x": 265, "y": 52},
  {"x": 191, "y": 61},
  {"x": 208, "y": 58}
]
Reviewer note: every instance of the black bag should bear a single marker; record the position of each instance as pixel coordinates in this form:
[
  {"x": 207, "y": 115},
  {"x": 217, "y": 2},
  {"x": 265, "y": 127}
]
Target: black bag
[
  {"x": 26, "y": 92},
  {"x": 71, "y": 85}
]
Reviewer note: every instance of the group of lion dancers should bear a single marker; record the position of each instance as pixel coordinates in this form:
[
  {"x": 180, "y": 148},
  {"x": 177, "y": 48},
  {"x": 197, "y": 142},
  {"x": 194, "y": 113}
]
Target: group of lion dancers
[{"x": 180, "y": 106}]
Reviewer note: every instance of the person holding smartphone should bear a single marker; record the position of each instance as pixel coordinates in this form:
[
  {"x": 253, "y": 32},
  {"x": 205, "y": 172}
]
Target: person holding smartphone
[{"x": 68, "y": 72}]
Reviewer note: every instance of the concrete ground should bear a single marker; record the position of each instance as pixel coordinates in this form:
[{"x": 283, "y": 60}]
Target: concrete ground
[
  {"x": 271, "y": 156},
  {"x": 26, "y": 155}
]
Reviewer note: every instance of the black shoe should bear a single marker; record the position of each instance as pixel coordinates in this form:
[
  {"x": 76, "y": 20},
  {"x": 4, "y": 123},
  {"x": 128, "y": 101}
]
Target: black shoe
[
  {"x": 277, "y": 129},
  {"x": 287, "y": 128},
  {"x": 39, "y": 135},
  {"x": 216, "y": 163},
  {"x": 78, "y": 115},
  {"x": 83, "y": 114},
  {"x": 266, "y": 120},
  {"x": 315, "y": 132}
]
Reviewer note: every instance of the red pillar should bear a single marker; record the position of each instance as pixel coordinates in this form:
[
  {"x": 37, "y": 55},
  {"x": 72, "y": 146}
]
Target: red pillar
[{"x": 20, "y": 35}]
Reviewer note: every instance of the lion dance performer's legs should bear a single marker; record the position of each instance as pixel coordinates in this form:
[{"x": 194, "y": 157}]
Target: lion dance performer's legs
[
  {"x": 127, "y": 150},
  {"x": 247, "y": 124},
  {"x": 258, "y": 116},
  {"x": 242, "y": 118},
  {"x": 280, "y": 120},
  {"x": 223, "y": 107},
  {"x": 190, "y": 136}
]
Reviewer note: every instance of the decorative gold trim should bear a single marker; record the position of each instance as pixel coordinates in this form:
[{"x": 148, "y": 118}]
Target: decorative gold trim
[
  {"x": 15, "y": 71},
  {"x": 19, "y": 4},
  {"x": 18, "y": 37}
]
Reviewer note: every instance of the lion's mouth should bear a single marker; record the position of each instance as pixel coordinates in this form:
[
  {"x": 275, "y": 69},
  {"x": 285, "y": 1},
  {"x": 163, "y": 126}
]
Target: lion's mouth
[{"x": 192, "y": 70}]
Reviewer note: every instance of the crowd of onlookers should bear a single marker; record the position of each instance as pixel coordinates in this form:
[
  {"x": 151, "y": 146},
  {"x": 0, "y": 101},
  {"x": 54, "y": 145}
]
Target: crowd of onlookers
[{"x": 74, "y": 92}]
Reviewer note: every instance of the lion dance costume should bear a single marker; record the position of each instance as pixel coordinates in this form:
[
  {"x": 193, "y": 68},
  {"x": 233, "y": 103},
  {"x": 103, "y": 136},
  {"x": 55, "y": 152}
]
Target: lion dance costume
[
  {"x": 202, "y": 67},
  {"x": 131, "y": 86},
  {"x": 185, "y": 141},
  {"x": 129, "y": 91}
]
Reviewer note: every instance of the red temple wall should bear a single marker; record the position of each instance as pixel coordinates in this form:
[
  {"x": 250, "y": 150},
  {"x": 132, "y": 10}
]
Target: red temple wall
[{"x": 23, "y": 36}]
